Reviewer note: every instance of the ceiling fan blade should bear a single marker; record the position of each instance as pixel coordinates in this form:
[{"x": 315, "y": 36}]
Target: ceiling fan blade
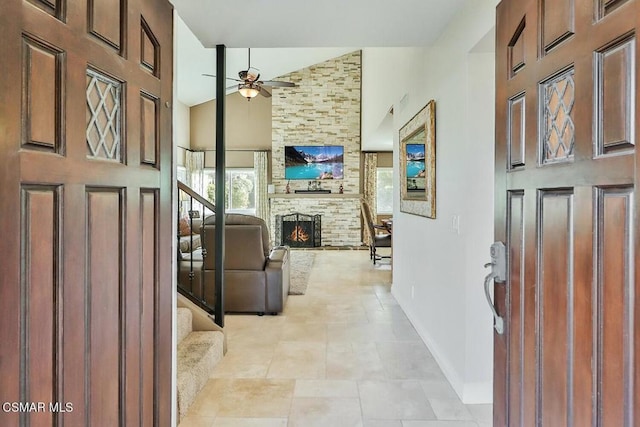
[
  {"x": 228, "y": 78},
  {"x": 278, "y": 84},
  {"x": 264, "y": 92}
]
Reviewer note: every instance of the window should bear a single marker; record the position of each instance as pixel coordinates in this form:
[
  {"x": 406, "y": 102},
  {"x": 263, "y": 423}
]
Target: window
[
  {"x": 384, "y": 184},
  {"x": 240, "y": 194},
  {"x": 181, "y": 174}
]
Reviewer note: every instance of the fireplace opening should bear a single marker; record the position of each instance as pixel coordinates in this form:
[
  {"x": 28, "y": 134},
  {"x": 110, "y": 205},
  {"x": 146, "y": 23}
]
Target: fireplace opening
[{"x": 298, "y": 230}]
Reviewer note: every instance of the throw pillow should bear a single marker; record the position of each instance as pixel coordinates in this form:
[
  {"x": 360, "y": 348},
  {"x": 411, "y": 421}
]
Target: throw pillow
[{"x": 184, "y": 229}]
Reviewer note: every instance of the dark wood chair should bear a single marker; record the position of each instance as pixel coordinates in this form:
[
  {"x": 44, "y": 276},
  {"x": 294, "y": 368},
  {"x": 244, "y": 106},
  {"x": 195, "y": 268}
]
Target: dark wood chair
[{"x": 379, "y": 235}]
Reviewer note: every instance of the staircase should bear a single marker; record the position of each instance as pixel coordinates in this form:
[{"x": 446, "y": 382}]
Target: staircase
[{"x": 201, "y": 345}]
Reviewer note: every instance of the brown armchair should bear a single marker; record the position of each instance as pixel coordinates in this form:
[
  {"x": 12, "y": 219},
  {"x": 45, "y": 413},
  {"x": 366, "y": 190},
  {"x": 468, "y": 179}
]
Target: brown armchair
[
  {"x": 256, "y": 276},
  {"x": 377, "y": 240}
]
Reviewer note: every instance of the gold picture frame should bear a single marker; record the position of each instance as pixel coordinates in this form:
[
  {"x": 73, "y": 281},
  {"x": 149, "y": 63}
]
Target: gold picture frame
[{"x": 418, "y": 163}]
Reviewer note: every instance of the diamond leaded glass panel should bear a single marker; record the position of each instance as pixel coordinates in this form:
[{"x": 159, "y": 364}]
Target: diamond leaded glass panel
[
  {"x": 558, "y": 131},
  {"x": 104, "y": 110}
]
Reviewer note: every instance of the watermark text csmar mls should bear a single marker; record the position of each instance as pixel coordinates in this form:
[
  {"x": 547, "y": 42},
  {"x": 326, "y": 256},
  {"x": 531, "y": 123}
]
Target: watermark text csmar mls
[{"x": 37, "y": 407}]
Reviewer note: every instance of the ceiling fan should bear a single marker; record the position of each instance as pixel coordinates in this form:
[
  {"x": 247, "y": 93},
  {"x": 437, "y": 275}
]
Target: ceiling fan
[{"x": 250, "y": 84}]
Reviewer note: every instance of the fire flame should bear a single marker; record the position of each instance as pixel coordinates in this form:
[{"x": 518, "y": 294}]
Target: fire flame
[{"x": 299, "y": 235}]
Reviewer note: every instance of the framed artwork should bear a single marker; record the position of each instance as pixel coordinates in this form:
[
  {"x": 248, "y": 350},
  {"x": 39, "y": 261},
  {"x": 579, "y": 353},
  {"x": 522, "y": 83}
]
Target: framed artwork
[{"x": 418, "y": 163}]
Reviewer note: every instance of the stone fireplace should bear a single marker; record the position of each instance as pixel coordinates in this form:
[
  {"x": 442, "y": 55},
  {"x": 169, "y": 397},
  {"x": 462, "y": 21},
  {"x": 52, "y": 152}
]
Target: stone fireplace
[
  {"x": 299, "y": 230},
  {"x": 340, "y": 213},
  {"x": 325, "y": 110}
]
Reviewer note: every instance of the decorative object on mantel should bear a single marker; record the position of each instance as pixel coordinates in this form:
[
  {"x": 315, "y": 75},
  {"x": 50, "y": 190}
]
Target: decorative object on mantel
[
  {"x": 301, "y": 263},
  {"x": 287, "y": 189},
  {"x": 341, "y": 189},
  {"x": 418, "y": 163},
  {"x": 314, "y": 186}
]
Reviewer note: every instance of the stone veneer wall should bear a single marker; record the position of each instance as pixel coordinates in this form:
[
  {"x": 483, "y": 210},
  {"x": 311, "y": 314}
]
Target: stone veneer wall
[
  {"x": 340, "y": 216},
  {"x": 324, "y": 109}
]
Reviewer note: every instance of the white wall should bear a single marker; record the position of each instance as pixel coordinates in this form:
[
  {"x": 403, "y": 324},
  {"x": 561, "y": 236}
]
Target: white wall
[
  {"x": 387, "y": 75},
  {"x": 476, "y": 221},
  {"x": 438, "y": 270},
  {"x": 181, "y": 128}
]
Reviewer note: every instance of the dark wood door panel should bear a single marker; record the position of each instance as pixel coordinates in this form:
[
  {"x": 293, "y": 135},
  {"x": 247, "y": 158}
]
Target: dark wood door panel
[
  {"x": 557, "y": 23},
  {"x": 41, "y": 304},
  {"x": 85, "y": 298},
  {"x": 517, "y": 295},
  {"x": 43, "y": 97},
  {"x": 148, "y": 343},
  {"x": 107, "y": 21},
  {"x": 614, "y": 295},
  {"x": 570, "y": 355},
  {"x": 554, "y": 364},
  {"x": 105, "y": 302},
  {"x": 55, "y": 8}
]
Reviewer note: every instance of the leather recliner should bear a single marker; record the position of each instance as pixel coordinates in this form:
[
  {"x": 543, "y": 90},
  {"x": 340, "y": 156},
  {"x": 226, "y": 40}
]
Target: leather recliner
[{"x": 256, "y": 276}]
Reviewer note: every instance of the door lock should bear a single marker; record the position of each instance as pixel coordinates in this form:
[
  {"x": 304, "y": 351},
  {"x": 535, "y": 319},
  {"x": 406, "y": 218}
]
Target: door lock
[{"x": 498, "y": 274}]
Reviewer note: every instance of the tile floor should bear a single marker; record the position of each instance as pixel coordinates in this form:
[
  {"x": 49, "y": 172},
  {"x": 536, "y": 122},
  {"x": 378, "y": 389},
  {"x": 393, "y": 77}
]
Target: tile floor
[{"x": 344, "y": 354}]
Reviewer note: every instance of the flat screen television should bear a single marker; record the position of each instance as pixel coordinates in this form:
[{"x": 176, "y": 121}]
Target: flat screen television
[{"x": 312, "y": 162}]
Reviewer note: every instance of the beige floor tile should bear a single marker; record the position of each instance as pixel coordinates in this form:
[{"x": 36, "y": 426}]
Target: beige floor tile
[
  {"x": 204, "y": 404},
  {"x": 408, "y": 360},
  {"x": 325, "y": 412},
  {"x": 404, "y": 331},
  {"x": 245, "y": 398},
  {"x": 361, "y": 333},
  {"x": 379, "y": 313},
  {"x": 195, "y": 421},
  {"x": 481, "y": 413},
  {"x": 439, "y": 424},
  {"x": 354, "y": 361},
  {"x": 314, "y": 332},
  {"x": 344, "y": 354},
  {"x": 394, "y": 400},
  {"x": 299, "y": 360},
  {"x": 326, "y": 388},
  {"x": 250, "y": 422},
  {"x": 438, "y": 389},
  {"x": 382, "y": 423},
  {"x": 450, "y": 409},
  {"x": 240, "y": 363}
]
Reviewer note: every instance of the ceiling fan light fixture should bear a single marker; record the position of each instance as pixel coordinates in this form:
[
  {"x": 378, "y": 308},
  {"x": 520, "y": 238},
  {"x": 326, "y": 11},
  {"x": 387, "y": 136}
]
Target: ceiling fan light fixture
[{"x": 248, "y": 90}]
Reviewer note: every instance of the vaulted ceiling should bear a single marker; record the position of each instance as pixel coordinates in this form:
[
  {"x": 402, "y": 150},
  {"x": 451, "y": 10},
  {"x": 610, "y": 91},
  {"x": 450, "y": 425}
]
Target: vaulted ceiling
[{"x": 287, "y": 35}]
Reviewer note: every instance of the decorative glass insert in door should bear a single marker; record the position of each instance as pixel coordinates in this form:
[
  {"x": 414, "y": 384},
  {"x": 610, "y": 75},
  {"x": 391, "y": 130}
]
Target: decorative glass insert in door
[
  {"x": 104, "y": 111},
  {"x": 557, "y": 96}
]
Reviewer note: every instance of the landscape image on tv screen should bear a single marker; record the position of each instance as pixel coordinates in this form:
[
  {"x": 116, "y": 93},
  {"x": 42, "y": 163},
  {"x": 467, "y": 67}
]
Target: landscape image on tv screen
[
  {"x": 314, "y": 162},
  {"x": 416, "y": 172}
]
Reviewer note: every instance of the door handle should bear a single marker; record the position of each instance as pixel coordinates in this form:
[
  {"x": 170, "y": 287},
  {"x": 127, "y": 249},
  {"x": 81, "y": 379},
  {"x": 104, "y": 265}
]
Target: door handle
[{"x": 498, "y": 273}]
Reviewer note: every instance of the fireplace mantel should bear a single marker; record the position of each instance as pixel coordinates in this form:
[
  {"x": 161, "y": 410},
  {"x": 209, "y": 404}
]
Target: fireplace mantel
[{"x": 314, "y": 196}]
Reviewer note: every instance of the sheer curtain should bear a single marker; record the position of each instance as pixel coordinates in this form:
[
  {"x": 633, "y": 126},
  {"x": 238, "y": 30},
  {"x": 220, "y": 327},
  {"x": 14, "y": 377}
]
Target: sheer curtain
[
  {"x": 370, "y": 188},
  {"x": 260, "y": 170},
  {"x": 194, "y": 163}
]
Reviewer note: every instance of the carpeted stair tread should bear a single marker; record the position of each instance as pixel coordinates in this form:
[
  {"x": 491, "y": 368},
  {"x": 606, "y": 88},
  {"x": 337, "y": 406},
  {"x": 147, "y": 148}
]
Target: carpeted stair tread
[
  {"x": 197, "y": 355},
  {"x": 184, "y": 323}
]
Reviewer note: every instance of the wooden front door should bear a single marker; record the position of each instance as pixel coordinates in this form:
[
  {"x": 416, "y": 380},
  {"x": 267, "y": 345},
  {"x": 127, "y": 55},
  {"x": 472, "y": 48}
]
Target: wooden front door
[
  {"x": 567, "y": 209},
  {"x": 85, "y": 231}
]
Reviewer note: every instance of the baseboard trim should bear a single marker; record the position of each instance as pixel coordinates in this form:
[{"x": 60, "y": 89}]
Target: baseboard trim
[{"x": 471, "y": 393}]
